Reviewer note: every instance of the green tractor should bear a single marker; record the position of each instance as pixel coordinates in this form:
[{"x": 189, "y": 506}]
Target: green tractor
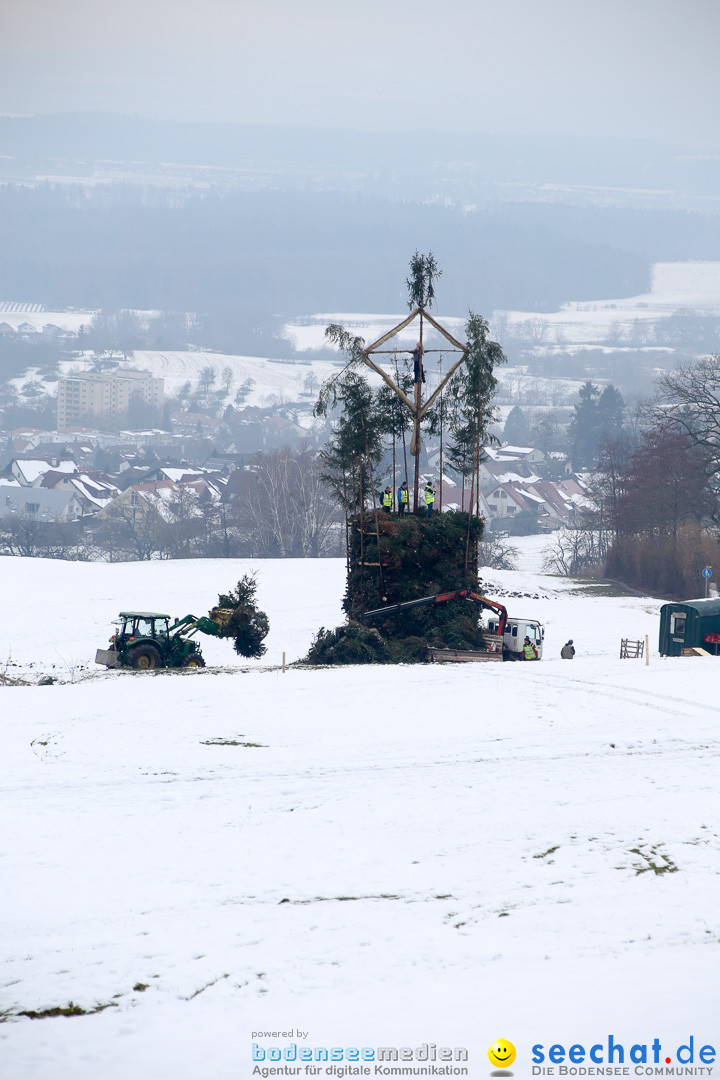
[{"x": 146, "y": 640}]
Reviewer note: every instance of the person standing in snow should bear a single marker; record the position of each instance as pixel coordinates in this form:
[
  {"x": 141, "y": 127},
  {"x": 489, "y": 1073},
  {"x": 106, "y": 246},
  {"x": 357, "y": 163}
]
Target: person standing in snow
[
  {"x": 418, "y": 372},
  {"x": 568, "y": 650},
  {"x": 529, "y": 650}
]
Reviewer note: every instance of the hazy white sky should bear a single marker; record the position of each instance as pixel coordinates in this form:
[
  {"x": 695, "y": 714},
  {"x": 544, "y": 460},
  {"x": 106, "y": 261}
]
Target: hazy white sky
[{"x": 624, "y": 67}]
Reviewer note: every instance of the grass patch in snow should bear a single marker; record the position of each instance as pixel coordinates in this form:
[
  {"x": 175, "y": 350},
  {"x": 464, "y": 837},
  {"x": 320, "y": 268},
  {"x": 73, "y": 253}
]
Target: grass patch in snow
[
  {"x": 544, "y": 854},
  {"x": 600, "y": 588},
  {"x": 229, "y": 742},
  {"x": 202, "y": 989},
  {"x": 655, "y": 860},
  {"x": 340, "y": 899},
  {"x": 71, "y": 1009}
]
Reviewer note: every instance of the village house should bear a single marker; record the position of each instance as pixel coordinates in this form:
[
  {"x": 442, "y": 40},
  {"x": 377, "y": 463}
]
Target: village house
[
  {"x": 94, "y": 490},
  {"x": 30, "y": 472},
  {"x": 39, "y": 504}
]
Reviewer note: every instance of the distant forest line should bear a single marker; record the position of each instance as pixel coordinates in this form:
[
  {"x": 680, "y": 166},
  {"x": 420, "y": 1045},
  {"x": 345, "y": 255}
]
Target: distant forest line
[
  {"x": 414, "y": 160},
  {"x": 249, "y": 259}
]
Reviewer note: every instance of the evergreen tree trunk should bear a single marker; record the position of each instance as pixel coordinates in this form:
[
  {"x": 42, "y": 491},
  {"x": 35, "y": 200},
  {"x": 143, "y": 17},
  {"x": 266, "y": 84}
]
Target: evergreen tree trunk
[
  {"x": 477, "y": 469},
  {"x": 441, "y": 448},
  {"x": 416, "y": 435},
  {"x": 362, "y": 523},
  {"x": 404, "y": 441},
  {"x": 347, "y": 525},
  {"x": 470, "y": 510},
  {"x": 375, "y": 509},
  {"x": 394, "y": 479}
]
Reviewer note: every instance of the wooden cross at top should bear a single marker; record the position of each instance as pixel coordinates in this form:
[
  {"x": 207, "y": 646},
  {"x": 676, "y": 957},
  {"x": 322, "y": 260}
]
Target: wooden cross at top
[{"x": 417, "y": 409}]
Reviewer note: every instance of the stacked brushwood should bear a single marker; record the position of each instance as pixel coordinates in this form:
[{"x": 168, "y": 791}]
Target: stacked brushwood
[{"x": 415, "y": 557}]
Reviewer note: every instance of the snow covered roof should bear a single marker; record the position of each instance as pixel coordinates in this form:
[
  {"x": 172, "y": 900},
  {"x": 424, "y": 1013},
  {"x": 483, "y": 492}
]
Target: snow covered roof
[
  {"x": 95, "y": 492},
  {"x": 527, "y": 494},
  {"x": 32, "y": 469},
  {"x": 181, "y": 473},
  {"x": 512, "y": 478},
  {"x": 515, "y": 451}
]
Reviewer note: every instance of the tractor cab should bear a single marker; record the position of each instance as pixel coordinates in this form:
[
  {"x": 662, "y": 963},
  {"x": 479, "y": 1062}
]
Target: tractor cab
[{"x": 135, "y": 625}]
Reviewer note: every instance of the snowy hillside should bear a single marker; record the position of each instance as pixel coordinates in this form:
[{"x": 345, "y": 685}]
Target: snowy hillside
[
  {"x": 35, "y": 317},
  {"x": 373, "y": 856},
  {"x": 630, "y": 324},
  {"x": 674, "y": 286},
  {"x": 282, "y": 380}
]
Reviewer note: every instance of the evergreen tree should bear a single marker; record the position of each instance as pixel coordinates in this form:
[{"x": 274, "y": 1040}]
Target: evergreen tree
[
  {"x": 247, "y": 625},
  {"x": 583, "y": 432},
  {"x": 424, "y": 271},
  {"x": 598, "y": 419},
  {"x": 470, "y": 411},
  {"x": 516, "y": 430},
  {"x": 355, "y": 445},
  {"x": 611, "y": 413}
]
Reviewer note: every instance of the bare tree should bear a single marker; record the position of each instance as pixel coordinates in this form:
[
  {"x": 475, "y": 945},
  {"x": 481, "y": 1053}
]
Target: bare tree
[
  {"x": 243, "y": 391},
  {"x": 310, "y": 383},
  {"x": 572, "y": 553},
  {"x": 289, "y": 511},
  {"x": 24, "y": 533},
  {"x": 227, "y": 378},
  {"x": 180, "y": 523},
  {"x": 137, "y": 523},
  {"x": 689, "y": 399},
  {"x": 207, "y": 378},
  {"x": 496, "y": 553}
]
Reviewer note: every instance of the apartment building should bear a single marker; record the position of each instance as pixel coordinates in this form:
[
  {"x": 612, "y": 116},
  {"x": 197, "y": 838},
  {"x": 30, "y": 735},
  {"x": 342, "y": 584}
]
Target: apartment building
[{"x": 104, "y": 398}]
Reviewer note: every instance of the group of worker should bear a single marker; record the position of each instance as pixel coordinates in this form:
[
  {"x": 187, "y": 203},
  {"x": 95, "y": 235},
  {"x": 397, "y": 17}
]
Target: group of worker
[{"x": 403, "y": 498}]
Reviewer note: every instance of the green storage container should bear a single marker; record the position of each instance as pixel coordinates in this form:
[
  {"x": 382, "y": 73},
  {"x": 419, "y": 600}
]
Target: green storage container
[{"x": 690, "y": 624}]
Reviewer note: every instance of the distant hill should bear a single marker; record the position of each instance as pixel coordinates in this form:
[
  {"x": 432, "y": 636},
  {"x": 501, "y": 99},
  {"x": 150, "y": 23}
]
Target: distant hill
[
  {"x": 251, "y": 226},
  {"x": 466, "y": 167}
]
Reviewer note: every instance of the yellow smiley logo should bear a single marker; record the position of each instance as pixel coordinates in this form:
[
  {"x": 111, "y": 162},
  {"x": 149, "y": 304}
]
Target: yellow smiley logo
[{"x": 501, "y": 1054}]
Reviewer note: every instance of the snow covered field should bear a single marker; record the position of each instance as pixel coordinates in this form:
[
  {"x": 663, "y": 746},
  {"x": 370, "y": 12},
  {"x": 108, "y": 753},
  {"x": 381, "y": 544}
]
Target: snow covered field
[{"x": 374, "y": 856}]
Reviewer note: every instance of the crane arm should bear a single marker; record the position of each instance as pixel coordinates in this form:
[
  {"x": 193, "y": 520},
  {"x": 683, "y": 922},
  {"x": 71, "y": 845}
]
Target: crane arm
[{"x": 439, "y": 598}]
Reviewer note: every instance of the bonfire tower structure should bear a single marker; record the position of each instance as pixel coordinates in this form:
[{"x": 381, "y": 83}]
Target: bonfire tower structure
[{"x": 397, "y": 557}]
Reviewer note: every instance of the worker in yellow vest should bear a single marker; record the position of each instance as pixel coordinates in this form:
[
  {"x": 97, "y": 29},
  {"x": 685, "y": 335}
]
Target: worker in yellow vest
[
  {"x": 402, "y": 497},
  {"x": 529, "y": 650},
  {"x": 387, "y": 500},
  {"x": 429, "y": 497}
]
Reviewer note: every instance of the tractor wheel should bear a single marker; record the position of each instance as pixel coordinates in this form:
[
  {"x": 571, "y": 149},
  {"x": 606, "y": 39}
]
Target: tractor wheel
[
  {"x": 193, "y": 661},
  {"x": 145, "y": 658}
]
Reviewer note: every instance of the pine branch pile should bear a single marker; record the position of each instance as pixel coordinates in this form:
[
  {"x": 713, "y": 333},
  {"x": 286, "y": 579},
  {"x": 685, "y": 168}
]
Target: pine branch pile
[
  {"x": 418, "y": 557},
  {"x": 245, "y": 623}
]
